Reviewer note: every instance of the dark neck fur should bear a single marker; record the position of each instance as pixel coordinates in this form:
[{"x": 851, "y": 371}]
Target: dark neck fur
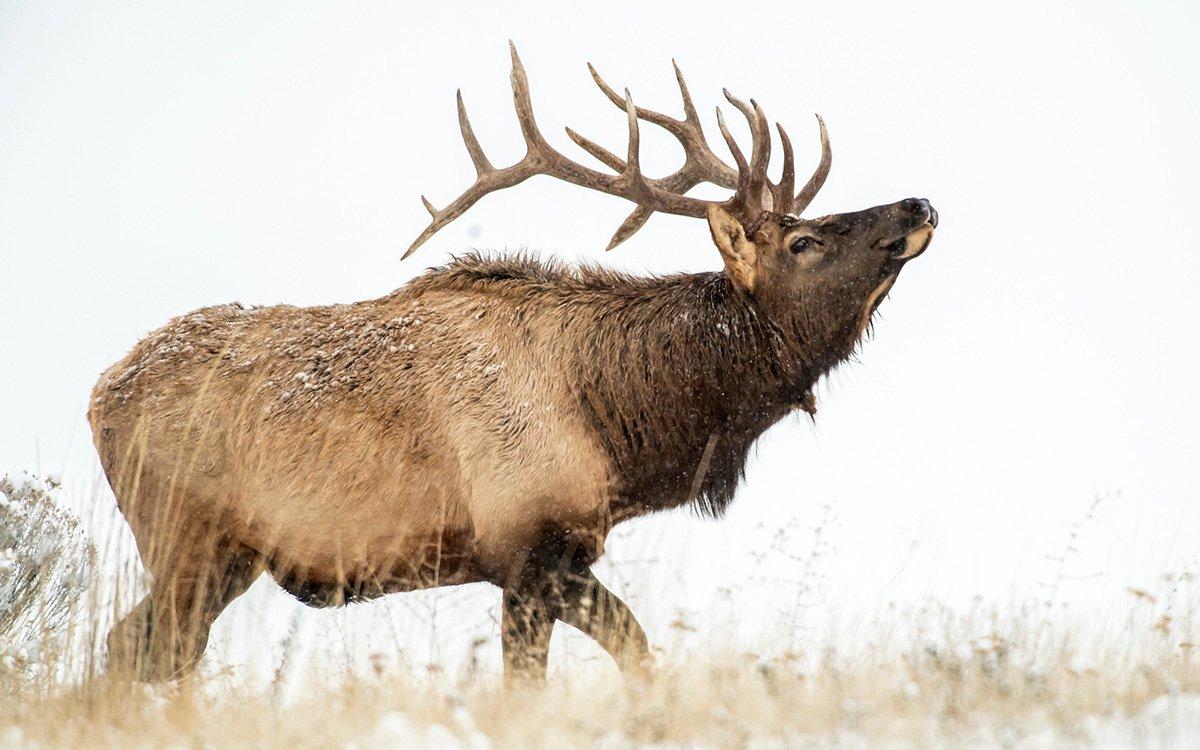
[{"x": 691, "y": 359}]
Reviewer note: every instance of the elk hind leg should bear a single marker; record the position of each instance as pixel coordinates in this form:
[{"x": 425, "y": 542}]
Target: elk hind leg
[{"x": 164, "y": 636}]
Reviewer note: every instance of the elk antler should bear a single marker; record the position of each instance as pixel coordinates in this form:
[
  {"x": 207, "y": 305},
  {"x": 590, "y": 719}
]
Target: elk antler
[{"x": 754, "y": 192}]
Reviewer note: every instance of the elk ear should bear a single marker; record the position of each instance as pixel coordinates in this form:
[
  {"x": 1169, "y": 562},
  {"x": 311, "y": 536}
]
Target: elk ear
[{"x": 739, "y": 253}]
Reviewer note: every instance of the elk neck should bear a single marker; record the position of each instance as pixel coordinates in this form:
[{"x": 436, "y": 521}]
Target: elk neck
[{"x": 685, "y": 361}]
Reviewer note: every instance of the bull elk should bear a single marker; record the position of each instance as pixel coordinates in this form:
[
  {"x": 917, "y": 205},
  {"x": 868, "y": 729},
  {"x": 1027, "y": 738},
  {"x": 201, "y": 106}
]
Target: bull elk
[{"x": 493, "y": 419}]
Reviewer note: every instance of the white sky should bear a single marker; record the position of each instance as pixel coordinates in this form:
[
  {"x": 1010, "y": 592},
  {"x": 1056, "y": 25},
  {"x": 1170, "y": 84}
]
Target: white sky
[{"x": 157, "y": 157}]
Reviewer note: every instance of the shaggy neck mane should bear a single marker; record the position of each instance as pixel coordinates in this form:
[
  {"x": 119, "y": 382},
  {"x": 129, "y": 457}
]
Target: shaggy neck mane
[{"x": 678, "y": 374}]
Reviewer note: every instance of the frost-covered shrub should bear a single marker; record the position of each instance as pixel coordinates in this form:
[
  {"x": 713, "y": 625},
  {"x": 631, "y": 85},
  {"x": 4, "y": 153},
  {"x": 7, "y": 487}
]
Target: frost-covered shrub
[{"x": 45, "y": 565}]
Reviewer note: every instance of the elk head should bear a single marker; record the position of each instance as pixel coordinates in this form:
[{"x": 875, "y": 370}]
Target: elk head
[
  {"x": 825, "y": 277},
  {"x": 821, "y": 278}
]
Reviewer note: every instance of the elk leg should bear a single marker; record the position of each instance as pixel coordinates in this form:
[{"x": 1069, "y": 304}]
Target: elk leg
[
  {"x": 526, "y": 623},
  {"x": 557, "y": 583},
  {"x": 600, "y": 614},
  {"x": 164, "y": 637},
  {"x": 532, "y": 603}
]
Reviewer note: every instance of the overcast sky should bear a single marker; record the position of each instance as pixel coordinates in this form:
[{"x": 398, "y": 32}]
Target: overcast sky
[{"x": 157, "y": 157}]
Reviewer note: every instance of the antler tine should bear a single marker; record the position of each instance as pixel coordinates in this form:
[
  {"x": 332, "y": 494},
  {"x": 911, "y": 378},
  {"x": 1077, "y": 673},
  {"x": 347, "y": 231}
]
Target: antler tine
[
  {"x": 813, "y": 186},
  {"x": 689, "y": 109},
  {"x": 633, "y": 164},
  {"x": 602, "y": 154},
  {"x": 781, "y": 192},
  {"x": 633, "y": 222},
  {"x": 478, "y": 158},
  {"x": 763, "y": 130},
  {"x": 523, "y": 103},
  {"x": 738, "y": 157}
]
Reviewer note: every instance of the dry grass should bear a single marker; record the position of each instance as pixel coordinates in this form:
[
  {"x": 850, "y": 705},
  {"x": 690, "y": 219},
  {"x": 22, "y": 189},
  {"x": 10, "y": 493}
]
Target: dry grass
[
  {"x": 720, "y": 701},
  {"x": 987, "y": 675}
]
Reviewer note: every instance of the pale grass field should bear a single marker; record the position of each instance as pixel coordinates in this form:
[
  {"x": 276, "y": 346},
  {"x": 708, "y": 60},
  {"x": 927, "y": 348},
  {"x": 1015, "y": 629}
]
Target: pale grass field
[{"x": 1039, "y": 675}]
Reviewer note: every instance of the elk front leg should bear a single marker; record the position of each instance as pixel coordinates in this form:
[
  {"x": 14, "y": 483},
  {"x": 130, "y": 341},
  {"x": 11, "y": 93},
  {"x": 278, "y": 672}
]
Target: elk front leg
[
  {"x": 526, "y": 623},
  {"x": 557, "y": 583}
]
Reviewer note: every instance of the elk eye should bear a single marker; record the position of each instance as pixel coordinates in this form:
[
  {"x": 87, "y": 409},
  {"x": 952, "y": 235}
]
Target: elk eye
[{"x": 801, "y": 244}]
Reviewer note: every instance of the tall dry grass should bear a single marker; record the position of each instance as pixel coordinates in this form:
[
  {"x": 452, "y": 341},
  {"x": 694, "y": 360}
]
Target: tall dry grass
[{"x": 987, "y": 674}]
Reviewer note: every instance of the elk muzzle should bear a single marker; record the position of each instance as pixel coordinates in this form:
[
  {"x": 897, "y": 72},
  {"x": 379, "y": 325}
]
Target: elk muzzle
[{"x": 917, "y": 219}]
